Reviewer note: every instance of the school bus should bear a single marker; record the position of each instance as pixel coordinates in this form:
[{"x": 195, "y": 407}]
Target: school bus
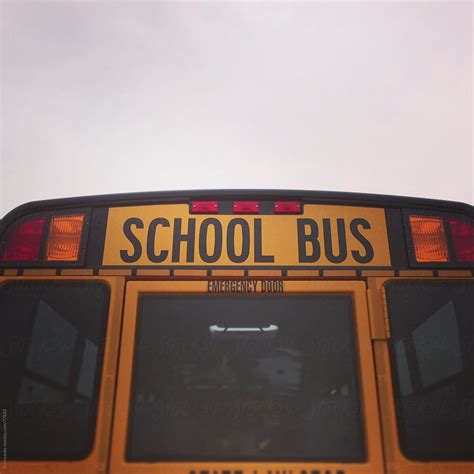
[{"x": 237, "y": 332}]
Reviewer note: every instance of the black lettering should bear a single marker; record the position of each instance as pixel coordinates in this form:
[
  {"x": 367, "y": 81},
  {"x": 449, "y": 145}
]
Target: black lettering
[
  {"x": 178, "y": 237},
  {"x": 150, "y": 244},
  {"x": 210, "y": 258},
  {"x": 304, "y": 238},
  {"x": 258, "y": 244},
  {"x": 231, "y": 240},
  {"x": 369, "y": 251},
  {"x": 341, "y": 238},
  {"x": 137, "y": 246}
]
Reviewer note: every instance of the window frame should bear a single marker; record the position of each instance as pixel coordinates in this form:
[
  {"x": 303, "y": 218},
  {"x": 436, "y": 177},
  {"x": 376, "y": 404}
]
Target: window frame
[
  {"x": 380, "y": 318},
  {"x": 97, "y": 458},
  {"x": 368, "y": 395}
]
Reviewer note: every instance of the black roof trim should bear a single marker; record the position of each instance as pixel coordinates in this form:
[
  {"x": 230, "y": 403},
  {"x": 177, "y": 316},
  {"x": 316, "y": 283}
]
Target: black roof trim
[{"x": 321, "y": 197}]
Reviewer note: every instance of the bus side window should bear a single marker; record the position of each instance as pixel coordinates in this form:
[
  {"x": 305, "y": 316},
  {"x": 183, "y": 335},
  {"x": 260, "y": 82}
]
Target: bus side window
[{"x": 52, "y": 341}]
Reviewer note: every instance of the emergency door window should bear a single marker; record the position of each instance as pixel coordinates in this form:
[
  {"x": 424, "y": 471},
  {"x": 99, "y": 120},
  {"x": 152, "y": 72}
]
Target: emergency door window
[
  {"x": 51, "y": 336},
  {"x": 233, "y": 377},
  {"x": 432, "y": 358}
]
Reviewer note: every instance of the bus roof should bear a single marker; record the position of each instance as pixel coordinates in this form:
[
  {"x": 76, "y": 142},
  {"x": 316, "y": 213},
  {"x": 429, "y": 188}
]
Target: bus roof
[
  {"x": 313, "y": 229},
  {"x": 162, "y": 197}
]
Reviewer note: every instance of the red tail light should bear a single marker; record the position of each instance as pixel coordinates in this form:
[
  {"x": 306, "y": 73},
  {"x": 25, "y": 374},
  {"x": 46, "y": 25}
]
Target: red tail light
[
  {"x": 25, "y": 241},
  {"x": 246, "y": 207},
  {"x": 462, "y": 233}
]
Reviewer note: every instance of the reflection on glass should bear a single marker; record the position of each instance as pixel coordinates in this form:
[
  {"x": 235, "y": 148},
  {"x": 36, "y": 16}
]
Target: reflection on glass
[
  {"x": 32, "y": 391},
  {"x": 85, "y": 385},
  {"x": 52, "y": 345},
  {"x": 402, "y": 367},
  {"x": 437, "y": 346}
]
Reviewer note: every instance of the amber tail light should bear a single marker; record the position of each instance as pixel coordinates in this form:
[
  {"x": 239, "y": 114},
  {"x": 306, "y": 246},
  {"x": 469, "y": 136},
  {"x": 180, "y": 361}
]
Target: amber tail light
[
  {"x": 64, "y": 238},
  {"x": 429, "y": 239}
]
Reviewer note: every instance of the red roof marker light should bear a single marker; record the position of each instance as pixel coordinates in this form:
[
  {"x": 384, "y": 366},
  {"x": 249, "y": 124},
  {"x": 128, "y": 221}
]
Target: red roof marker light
[
  {"x": 246, "y": 207},
  {"x": 204, "y": 207},
  {"x": 287, "y": 207}
]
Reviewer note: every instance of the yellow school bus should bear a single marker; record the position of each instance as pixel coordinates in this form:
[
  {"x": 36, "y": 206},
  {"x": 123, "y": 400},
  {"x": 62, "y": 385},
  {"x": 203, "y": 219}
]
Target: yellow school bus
[{"x": 237, "y": 332}]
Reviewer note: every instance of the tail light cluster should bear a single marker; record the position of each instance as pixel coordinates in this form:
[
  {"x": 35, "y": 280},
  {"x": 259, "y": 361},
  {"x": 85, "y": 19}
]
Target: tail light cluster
[
  {"x": 442, "y": 239},
  {"x": 55, "y": 238}
]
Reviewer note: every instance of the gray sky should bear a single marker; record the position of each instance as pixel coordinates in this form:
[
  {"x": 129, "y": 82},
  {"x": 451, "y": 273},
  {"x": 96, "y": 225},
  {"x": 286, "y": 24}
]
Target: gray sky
[{"x": 105, "y": 97}]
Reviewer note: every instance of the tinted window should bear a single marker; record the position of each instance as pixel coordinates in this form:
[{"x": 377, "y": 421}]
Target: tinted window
[
  {"x": 52, "y": 340},
  {"x": 245, "y": 377},
  {"x": 431, "y": 348}
]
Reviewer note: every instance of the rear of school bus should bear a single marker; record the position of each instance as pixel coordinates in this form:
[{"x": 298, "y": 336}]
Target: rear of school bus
[{"x": 232, "y": 332}]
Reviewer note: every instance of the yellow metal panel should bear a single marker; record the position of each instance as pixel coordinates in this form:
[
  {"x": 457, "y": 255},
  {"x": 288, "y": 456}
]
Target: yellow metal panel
[
  {"x": 375, "y": 273},
  {"x": 77, "y": 271},
  {"x": 367, "y": 381},
  {"x": 150, "y": 242},
  {"x": 266, "y": 272},
  {"x": 190, "y": 272},
  {"x": 39, "y": 272},
  {"x": 153, "y": 272},
  {"x": 115, "y": 272},
  {"x": 10, "y": 272},
  {"x": 303, "y": 273},
  {"x": 416, "y": 273},
  {"x": 228, "y": 273},
  {"x": 339, "y": 273},
  {"x": 378, "y": 328},
  {"x": 454, "y": 273}
]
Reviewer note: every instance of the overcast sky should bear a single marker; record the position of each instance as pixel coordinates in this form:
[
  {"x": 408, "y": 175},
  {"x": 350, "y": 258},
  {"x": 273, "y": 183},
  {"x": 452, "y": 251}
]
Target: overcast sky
[{"x": 107, "y": 97}]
